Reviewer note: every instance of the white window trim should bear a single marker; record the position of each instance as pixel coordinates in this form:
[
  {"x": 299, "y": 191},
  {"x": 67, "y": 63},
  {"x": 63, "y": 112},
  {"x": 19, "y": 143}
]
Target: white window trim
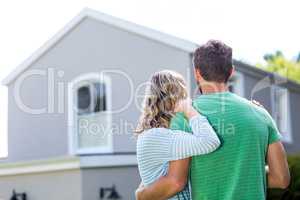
[
  {"x": 72, "y": 136},
  {"x": 241, "y": 83},
  {"x": 288, "y": 137}
]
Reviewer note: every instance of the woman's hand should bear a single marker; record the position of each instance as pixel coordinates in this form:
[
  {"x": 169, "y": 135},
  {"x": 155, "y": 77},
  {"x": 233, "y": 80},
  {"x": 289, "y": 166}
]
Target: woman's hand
[
  {"x": 185, "y": 106},
  {"x": 257, "y": 103}
]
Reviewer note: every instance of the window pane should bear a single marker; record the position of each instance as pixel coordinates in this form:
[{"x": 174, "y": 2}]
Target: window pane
[
  {"x": 100, "y": 97},
  {"x": 281, "y": 103},
  {"x": 83, "y": 100},
  {"x": 231, "y": 87},
  {"x": 93, "y": 131}
]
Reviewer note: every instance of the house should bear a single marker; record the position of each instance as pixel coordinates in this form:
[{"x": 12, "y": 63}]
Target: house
[{"x": 73, "y": 106}]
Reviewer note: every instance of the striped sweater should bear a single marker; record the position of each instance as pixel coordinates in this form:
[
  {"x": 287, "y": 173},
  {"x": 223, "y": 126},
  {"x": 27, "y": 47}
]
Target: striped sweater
[{"x": 157, "y": 146}]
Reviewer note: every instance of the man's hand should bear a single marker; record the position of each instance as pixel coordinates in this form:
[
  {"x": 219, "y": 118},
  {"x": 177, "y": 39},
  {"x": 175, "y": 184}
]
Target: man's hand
[{"x": 166, "y": 186}]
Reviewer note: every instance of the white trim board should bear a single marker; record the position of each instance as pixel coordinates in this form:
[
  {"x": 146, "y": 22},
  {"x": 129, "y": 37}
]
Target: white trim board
[
  {"x": 39, "y": 166},
  {"x": 287, "y": 136},
  {"x": 68, "y": 163},
  {"x": 107, "y": 19},
  {"x": 108, "y": 161}
]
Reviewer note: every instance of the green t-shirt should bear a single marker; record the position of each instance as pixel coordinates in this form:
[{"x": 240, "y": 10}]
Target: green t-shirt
[{"x": 235, "y": 171}]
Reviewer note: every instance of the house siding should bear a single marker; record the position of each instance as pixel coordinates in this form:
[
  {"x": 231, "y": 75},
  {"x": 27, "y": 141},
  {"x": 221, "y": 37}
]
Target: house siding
[
  {"x": 91, "y": 47},
  {"x": 32, "y": 136},
  {"x": 126, "y": 180},
  {"x": 63, "y": 185},
  {"x": 294, "y": 147}
]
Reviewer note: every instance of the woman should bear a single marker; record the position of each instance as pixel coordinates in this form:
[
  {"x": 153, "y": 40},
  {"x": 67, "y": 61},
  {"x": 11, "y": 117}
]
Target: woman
[{"x": 157, "y": 145}]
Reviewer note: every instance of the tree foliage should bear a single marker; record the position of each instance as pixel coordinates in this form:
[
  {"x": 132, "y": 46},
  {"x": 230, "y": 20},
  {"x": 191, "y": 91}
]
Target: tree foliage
[{"x": 279, "y": 64}]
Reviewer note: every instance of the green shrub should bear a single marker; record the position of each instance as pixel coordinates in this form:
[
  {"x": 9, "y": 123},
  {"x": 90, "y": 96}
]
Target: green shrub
[{"x": 293, "y": 191}]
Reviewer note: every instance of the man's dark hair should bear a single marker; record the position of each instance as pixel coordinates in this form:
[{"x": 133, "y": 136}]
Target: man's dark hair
[{"x": 214, "y": 60}]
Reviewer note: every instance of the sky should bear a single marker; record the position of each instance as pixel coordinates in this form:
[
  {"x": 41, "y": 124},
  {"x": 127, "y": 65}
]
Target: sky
[{"x": 251, "y": 27}]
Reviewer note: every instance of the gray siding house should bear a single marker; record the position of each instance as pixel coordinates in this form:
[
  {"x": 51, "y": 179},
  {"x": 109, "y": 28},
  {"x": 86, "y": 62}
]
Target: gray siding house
[{"x": 73, "y": 106}]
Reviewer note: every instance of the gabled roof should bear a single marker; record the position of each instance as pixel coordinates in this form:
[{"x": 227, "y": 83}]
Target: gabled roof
[{"x": 107, "y": 19}]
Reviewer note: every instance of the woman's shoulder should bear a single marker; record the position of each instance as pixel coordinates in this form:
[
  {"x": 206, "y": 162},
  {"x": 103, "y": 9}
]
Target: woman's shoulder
[
  {"x": 154, "y": 133},
  {"x": 154, "y": 138}
]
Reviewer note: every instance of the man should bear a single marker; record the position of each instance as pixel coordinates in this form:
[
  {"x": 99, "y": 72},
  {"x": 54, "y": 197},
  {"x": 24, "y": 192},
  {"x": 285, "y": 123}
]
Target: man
[{"x": 249, "y": 136}]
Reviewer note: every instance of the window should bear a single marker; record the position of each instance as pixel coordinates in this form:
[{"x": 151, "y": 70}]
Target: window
[
  {"x": 91, "y": 98},
  {"x": 84, "y": 99},
  {"x": 281, "y": 112},
  {"x": 236, "y": 84},
  {"x": 89, "y": 117}
]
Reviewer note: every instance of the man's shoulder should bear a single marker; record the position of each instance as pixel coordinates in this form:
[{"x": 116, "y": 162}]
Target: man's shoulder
[
  {"x": 254, "y": 109},
  {"x": 234, "y": 102},
  {"x": 252, "y": 106}
]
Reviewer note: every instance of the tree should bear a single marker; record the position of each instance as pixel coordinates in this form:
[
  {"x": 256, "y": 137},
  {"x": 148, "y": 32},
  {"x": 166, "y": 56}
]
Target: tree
[{"x": 279, "y": 64}]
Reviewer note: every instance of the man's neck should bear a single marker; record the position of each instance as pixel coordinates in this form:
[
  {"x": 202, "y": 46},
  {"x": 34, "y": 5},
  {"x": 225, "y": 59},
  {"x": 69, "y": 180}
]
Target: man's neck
[{"x": 213, "y": 87}]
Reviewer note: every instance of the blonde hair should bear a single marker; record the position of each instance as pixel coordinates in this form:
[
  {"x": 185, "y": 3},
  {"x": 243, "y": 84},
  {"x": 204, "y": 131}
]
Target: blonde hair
[{"x": 164, "y": 90}]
